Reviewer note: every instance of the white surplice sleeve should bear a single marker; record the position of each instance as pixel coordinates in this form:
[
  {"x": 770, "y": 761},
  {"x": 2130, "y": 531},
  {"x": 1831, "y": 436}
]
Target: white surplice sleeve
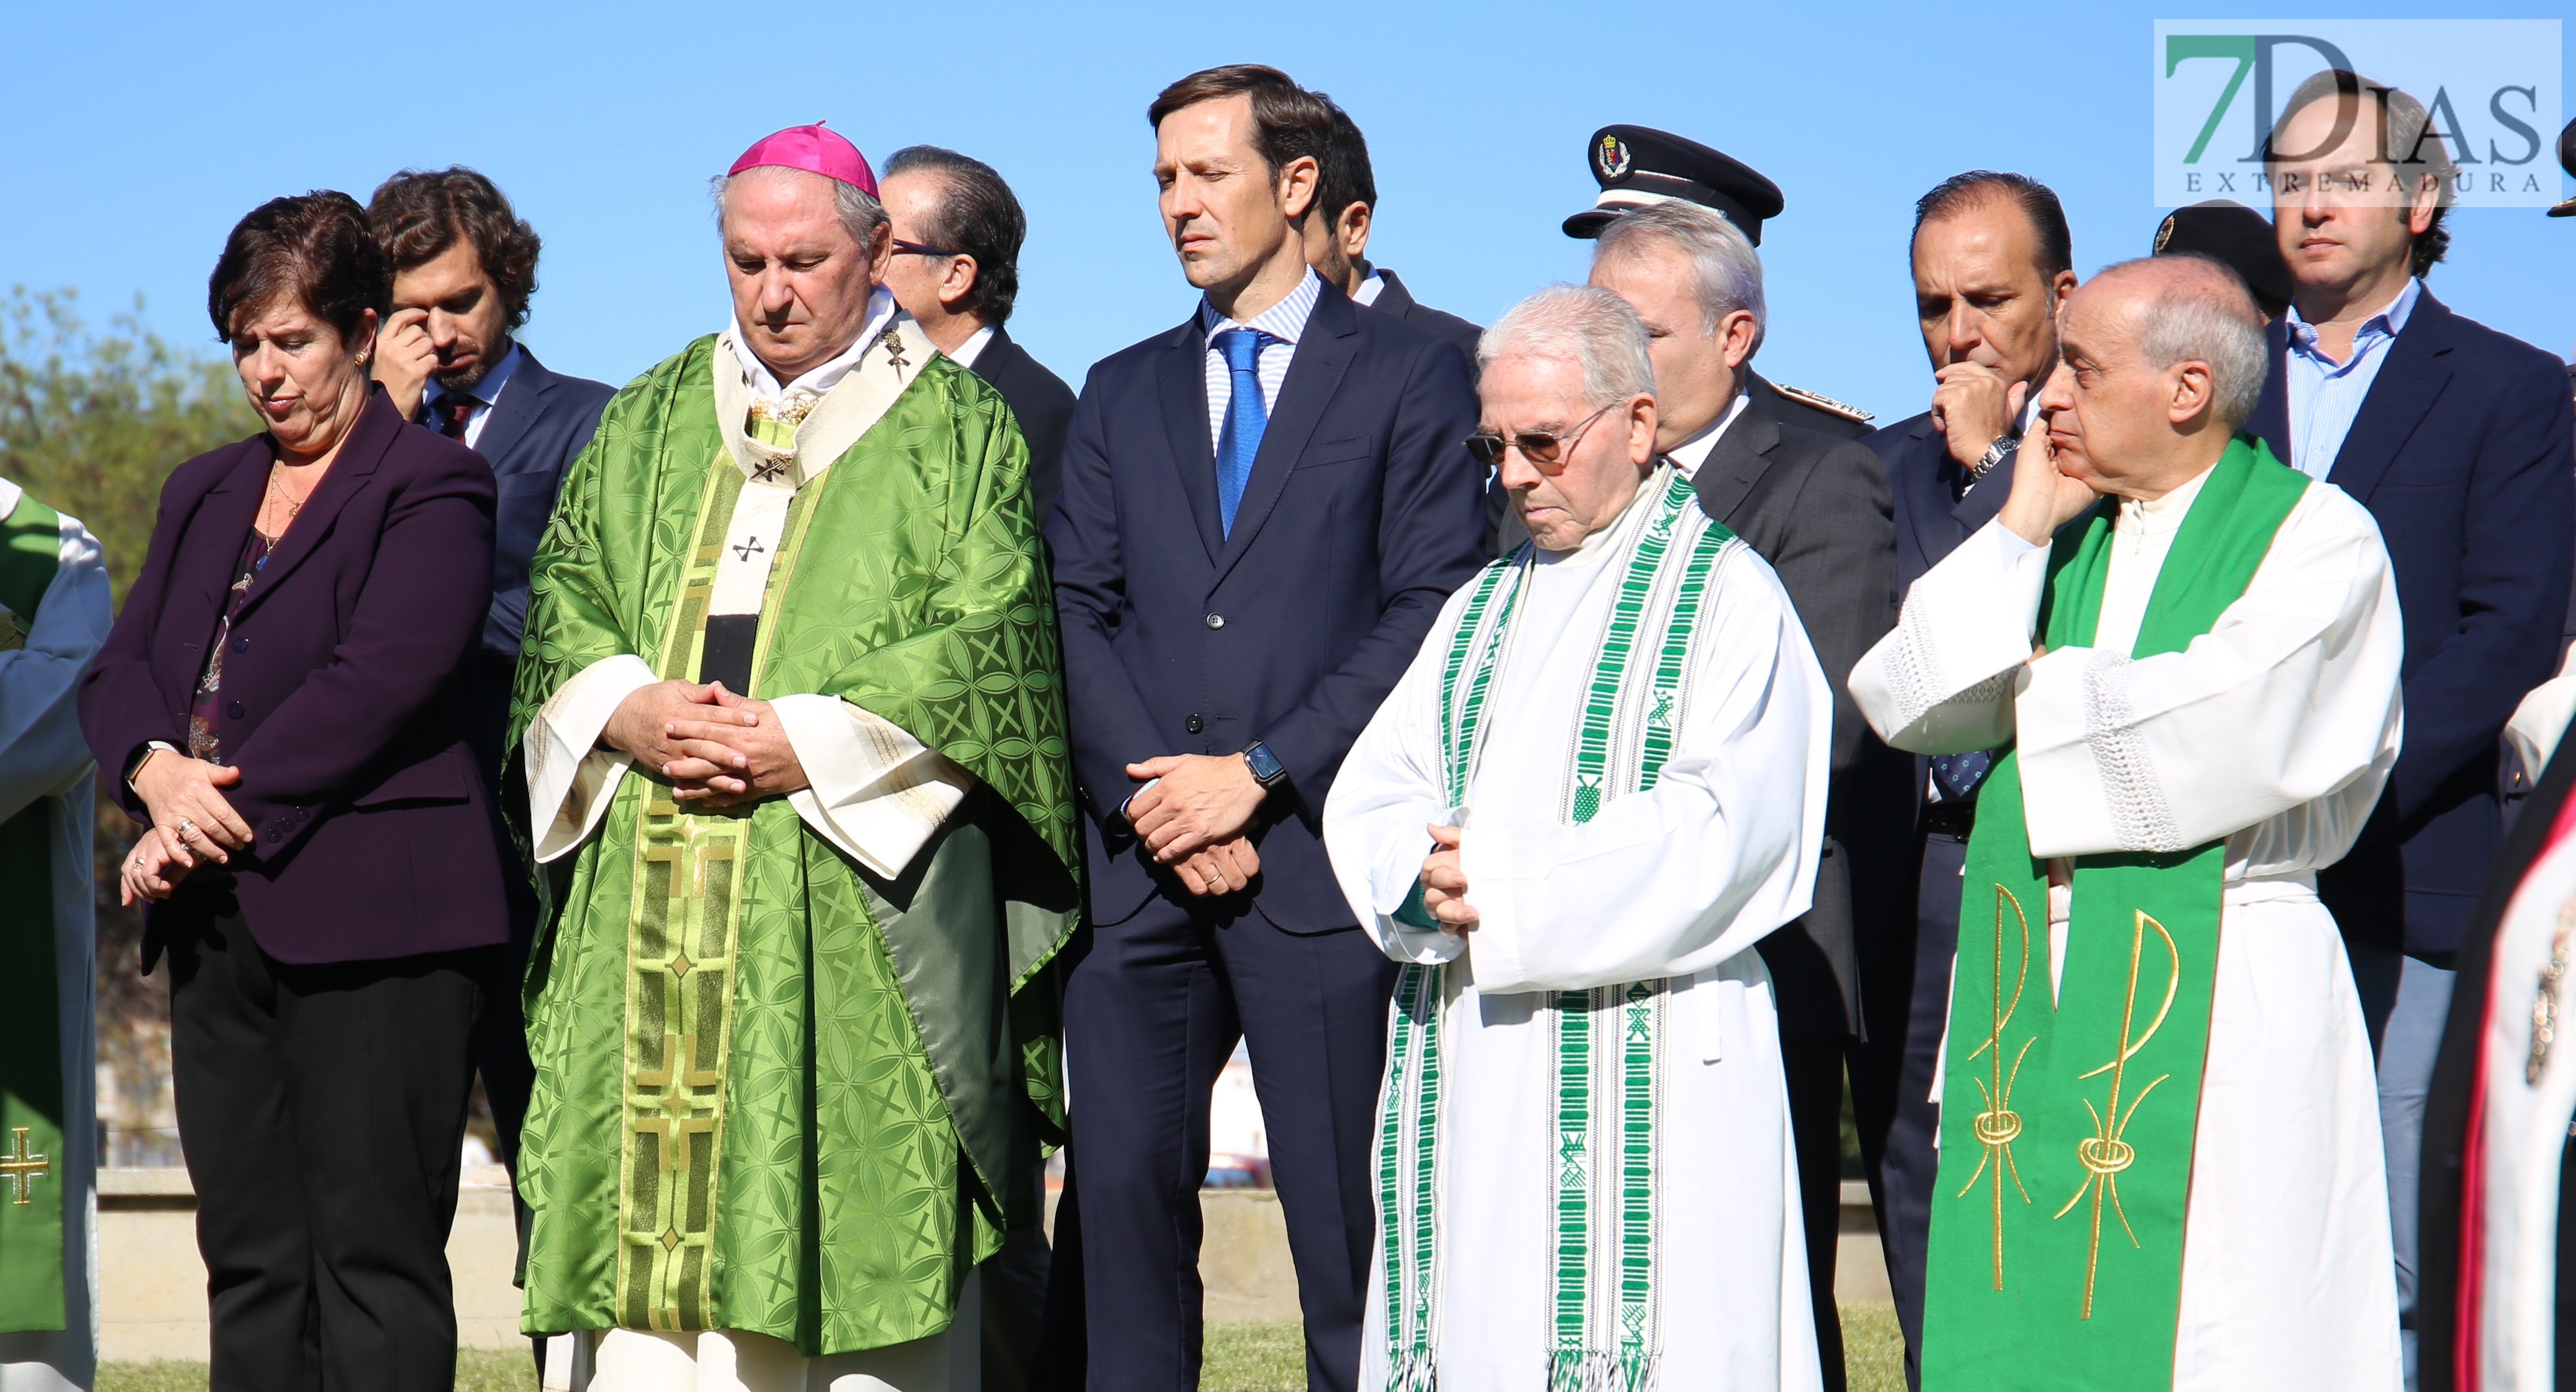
[
  {"x": 2290, "y": 703},
  {"x": 1719, "y": 853},
  {"x": 874, "y": 791},
  {"x": 1941, "y": 681},
  {"x": 1389, "y": 791},
  {"x": 42, "y": 751}
]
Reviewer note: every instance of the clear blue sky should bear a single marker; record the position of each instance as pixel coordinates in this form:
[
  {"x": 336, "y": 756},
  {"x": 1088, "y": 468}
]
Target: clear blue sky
[{"x": 136, "y": 135}]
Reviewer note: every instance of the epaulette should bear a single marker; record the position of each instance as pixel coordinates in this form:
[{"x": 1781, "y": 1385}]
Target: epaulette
[{"x": 1824, "y": 403}]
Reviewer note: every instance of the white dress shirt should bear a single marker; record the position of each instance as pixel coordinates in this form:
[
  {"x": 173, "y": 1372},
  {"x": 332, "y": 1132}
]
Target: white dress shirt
[{"x": 1693, "y": 452}]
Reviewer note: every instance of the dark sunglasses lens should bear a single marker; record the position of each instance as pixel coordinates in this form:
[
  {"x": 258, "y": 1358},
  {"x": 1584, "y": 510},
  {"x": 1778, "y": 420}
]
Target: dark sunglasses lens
[
  {"x": 1540, "y": 448},
  {"x": 1485, "y": 449}
]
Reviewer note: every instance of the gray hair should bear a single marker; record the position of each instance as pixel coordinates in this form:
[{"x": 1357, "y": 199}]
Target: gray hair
[
  {"x": 2200, "y": 311},
  {"x": 1581, "y": 324},
  {"x": 859, "y": 210},
  {"x": 1726, "y": 273}
]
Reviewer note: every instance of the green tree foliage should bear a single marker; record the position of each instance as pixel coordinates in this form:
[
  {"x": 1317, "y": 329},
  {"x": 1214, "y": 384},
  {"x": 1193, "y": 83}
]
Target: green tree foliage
[{"x": 91, "y": 423}]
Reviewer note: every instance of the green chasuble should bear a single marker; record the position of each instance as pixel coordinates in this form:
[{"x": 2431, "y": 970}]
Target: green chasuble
[
  {"x": 31, "y": 1059},
  {"x": 2067, "y": 1127},
  {"x": 775, "y": 1092}
]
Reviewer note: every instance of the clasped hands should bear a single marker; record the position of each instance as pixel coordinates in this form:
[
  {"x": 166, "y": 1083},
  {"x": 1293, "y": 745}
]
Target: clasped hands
[
  {"x": 1194, "y": 817},
  {"x": 192, "y": 821},
  {"x": 716, "y": 747}
]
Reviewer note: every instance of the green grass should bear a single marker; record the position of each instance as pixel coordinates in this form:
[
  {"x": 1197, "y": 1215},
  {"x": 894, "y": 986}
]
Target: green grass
[
  {"x": 1272, "y": 1357},
  {"x": 477, "y": 1370}
]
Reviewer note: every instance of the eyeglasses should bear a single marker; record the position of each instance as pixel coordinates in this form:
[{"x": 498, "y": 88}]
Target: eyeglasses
[
  {"x": 904, "y": 248},
  {"x": 1543, "y": 449}
]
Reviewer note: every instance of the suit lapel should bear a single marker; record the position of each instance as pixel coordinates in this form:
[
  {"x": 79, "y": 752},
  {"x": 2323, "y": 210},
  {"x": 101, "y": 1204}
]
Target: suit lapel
[
  {"x": 1735, "y": 463},
  {"x": 1392, "y": 297},
  {"x": 211, "y": 555},
  {"x": 1928, "y": 505},
  {"x": 377, "y": 428},
  {"x": 1181, "y": 385},
  {"x": 522, "y": 400},
  {"x": 2414, "y": 374},
  {"x": 1314, "y": 374}
]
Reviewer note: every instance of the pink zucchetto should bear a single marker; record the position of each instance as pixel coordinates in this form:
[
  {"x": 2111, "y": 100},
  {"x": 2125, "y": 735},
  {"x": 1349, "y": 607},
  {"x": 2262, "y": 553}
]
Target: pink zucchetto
[{"x": 814, "y": 150}]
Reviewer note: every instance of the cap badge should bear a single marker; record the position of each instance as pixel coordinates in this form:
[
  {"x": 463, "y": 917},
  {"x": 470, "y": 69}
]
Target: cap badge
[
  {"x": 1613, "y": 155},
  {"x": 2164, "y": 233}
]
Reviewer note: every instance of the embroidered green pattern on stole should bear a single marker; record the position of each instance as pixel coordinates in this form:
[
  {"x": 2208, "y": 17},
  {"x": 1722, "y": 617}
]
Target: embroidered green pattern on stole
[
  {"x": 31, "y": 1060},
  {"x": 2057, "y": 1260},
  {"x": 681, "y": 936}
]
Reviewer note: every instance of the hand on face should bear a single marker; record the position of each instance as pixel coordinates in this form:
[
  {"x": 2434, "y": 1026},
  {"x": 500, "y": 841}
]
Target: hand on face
[
  {"x": 1985, "y": 308},
  {"x": 405, "y": 358},
  {"x": 307, "y": 382},
  {"x": 2044, "y": 496},
  {"x": 1972, "y": 405},
  {"x": 1444, "y": 884},
  {"x": 734, "y": 753},
  {"x": 800, "y": 281},
  {"x": 1197, "y": 800},
  {"x": 464, "y": 323}
]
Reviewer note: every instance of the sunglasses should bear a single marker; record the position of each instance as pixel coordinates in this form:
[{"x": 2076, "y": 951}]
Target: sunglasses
[
  {"x": 904, "y": 248},
  {"x": 1543, "y": 448}
]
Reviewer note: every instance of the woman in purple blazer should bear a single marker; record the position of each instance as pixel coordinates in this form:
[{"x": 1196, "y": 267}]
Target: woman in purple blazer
[{"x": 282, "y": 705}]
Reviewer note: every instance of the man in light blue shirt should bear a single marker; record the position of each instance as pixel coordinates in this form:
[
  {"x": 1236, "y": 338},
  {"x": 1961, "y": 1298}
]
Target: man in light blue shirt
[{"x": 2325, "y": 394}]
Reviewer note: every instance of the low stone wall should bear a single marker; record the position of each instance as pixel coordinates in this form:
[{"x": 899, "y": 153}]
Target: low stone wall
[{"x": 152, "y": 1284}]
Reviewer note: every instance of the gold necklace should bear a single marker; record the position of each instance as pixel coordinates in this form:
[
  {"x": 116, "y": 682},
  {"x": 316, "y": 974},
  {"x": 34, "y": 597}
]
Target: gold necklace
[{"x": 293, "y": 507}]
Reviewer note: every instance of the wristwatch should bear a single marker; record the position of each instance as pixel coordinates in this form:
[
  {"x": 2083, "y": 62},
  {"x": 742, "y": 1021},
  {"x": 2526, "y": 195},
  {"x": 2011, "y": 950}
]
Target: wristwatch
[
  {"x": 1266, "y": 768},
  {"x": 1996, "y": 453}
]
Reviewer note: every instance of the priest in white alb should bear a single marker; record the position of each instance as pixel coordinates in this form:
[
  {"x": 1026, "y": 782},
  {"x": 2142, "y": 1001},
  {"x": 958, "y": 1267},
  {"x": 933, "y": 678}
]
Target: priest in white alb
[
  {"x": 2160, "y": 1158},
  {"x": 1601, "y": 782}
]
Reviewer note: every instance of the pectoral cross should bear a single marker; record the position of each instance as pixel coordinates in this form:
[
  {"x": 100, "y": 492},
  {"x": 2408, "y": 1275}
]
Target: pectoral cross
[
  {"x": 765, "y": 472},
  {"x": 23, "y": 1169},
  {"x": 748, "y": 549}
]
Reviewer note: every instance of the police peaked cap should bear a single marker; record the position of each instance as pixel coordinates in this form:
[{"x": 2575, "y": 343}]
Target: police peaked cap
[{"x": 1638, "y": 165}]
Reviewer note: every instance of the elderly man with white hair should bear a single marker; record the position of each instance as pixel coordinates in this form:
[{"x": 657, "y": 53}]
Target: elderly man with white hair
[
  {"x": 793, "y": 740},
  {"x": 1600, "y": 783},
  {"x": 2160, "y": 1158}
]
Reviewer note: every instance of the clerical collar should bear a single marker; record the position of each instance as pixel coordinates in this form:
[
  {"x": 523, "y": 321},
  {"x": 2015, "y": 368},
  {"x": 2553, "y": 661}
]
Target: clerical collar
[
  {"x": 819, "y": 380},
  {"x": 1690, "y": 454},
  {"x": 973, "y": 348}
]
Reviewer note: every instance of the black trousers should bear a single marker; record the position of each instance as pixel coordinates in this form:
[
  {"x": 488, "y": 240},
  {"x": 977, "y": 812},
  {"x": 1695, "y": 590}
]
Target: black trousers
[
  {"x": 1152, "y": 1012},
  {"x": 1907, "y": 999},
  {"x": 321, "y": 1110}
]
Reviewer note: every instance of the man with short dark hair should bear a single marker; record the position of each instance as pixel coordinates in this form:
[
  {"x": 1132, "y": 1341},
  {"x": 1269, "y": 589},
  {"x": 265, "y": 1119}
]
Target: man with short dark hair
[
  {"x": 465, "y": 265},
  {"x": 1263, "y": 510},
  {"x": 956, "y": 269},
  {"x": 1337, "y": 236},
  {"x": 2457, "y": 439},
  {"x": 1992, "y": 261}
]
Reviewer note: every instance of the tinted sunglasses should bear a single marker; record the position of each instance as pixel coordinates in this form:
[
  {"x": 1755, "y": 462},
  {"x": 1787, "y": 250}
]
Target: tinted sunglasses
[{"x": 1543, "y": 448}]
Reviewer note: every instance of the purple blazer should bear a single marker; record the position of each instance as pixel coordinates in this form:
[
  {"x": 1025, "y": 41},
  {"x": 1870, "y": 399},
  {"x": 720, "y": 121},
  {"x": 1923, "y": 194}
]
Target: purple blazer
[{"x": 344, "y": 695}]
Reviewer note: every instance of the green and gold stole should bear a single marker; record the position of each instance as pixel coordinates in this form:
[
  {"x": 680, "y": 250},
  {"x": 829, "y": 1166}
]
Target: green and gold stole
[
  {"x": 31, "y": 1060},
  {"x": 1608, "y": 1039},
  {"x": 2066, "y": 1130}
]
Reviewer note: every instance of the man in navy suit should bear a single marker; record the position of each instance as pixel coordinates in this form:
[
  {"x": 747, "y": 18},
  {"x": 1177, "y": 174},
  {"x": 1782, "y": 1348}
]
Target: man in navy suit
[
  {"x": 1337, "y": 236},
  {"x": 1992, "y": 261},
  {"x": 465, "y": 266},
  {"x": 2458, "y": 439},
  {"x": 1262, "y": 512}
]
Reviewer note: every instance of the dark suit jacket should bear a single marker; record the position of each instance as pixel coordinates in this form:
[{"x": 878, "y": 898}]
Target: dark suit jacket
[
  {"x": 342, "y": 686},
  {"x": 1930, "y": 524},
  {"x": 1359, "y": 518},
  {"x": 1393, "y": 298},
  {"x": 1790, "y": 411},
  {"x": 2447, "y": 1106},
  {"x": 1042, "y": 404},
  {"x": 2462, "y": 452},
  {"x": 542, "y": 420},
  {"x": 1817, "y": 508}
]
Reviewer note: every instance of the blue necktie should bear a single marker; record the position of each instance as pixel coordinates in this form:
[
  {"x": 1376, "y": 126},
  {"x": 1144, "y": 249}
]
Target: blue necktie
[{"x": 1246, "y": 416}]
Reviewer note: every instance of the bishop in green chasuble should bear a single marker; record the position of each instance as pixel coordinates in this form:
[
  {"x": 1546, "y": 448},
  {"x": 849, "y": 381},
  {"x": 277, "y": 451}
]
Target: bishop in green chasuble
[
  {"x": 2160, "y": 1162},
  {"x": 53, "y": 617},
  {"x": 795, "y": 1060}
]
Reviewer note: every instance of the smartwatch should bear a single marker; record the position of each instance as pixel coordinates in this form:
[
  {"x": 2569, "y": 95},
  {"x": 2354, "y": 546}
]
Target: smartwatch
[{"x": 1266, "y": 768}]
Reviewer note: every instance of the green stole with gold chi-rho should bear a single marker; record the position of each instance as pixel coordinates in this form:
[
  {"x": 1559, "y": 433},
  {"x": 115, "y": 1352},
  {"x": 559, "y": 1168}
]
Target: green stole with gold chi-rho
[
  {"x": 31, "y": 1060},
  {"x": 1609, "y": 1039},
  {"x": 2066, "y": 1131}
]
